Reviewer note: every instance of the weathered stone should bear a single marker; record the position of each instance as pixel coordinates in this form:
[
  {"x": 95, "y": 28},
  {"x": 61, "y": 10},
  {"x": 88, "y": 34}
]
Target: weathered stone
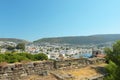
[
  {"x": 17, "y": 71},
  {"x": 23, "y": 75}
]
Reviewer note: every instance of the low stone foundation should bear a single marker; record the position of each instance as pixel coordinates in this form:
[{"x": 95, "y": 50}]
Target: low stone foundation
[{"x": 20, "y": 70}]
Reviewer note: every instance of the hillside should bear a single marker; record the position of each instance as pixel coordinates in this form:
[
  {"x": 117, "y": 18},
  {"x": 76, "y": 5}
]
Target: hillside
[
  {"x": 13, "y": 40},
  {"x": 82, "y": 40}
]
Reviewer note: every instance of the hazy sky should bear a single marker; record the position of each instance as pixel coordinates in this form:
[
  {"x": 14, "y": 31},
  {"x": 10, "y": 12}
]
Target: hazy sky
[{"x": 35, "y": 19}]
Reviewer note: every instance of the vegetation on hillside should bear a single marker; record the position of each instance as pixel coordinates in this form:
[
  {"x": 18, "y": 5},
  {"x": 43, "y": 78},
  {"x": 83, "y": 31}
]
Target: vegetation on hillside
[
  {"x": 19, "y": 57},
  {"x": 13, "y": 40},
  {"x": 95, "y": 39},
  {"x": 19, "y": 46},
  {"x": 113, "y": 57}
]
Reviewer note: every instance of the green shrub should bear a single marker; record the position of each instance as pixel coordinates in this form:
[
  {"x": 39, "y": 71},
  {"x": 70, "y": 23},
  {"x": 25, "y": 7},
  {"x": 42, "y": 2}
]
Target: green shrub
[{"x": 19, "y": 57}]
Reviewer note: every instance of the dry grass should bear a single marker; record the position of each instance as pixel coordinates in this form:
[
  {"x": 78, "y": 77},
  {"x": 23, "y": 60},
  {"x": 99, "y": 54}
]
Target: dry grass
[
  {"x": 86, "y": 72},
  {"x": 79, "y": 74},
  {"x": 36, "y": 77}
]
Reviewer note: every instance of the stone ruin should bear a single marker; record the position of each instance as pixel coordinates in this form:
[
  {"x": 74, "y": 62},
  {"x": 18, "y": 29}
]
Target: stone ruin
[{"x": 21, "y": 70}]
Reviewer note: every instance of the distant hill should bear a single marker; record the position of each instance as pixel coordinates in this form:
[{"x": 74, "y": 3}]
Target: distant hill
[
  {"x": 13, "y": 40},
  {"x": 82, "y": 40}
]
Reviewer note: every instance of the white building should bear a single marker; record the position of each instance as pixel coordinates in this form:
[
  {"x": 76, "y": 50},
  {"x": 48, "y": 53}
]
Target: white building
[
  {"x": 83, "y": 53},
  {"x": 54, "y": 56},
  {"x": 3, "y": 50}
]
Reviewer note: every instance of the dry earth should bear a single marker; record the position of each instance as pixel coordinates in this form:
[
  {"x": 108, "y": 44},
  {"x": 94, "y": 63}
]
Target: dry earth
[{"x": 78, "y": 74}]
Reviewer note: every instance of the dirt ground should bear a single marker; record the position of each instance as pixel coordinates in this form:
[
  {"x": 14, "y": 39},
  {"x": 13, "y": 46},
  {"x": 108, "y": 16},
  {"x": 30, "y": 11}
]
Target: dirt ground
[
  {"x": 79, "y": 74},
  {"x": 36, "y": 77},
  {"x": 87, "y": 72}
]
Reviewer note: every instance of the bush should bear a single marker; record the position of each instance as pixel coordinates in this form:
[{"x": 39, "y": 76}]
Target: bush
[
  {"x": 2, "y": 58},
  {"x": 113, "y": 58},
  {"x": 19, "y": 57},
  {"x": 40, "y": 56}
]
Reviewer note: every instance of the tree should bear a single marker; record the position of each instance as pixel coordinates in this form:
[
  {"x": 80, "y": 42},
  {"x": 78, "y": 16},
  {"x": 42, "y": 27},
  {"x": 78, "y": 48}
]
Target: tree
[
  {"x": 113, "y": 57},
  {"x": 40, "y": 56},
  {"x": 21, "y": 46},
  {"x": 10, "y": 47}
]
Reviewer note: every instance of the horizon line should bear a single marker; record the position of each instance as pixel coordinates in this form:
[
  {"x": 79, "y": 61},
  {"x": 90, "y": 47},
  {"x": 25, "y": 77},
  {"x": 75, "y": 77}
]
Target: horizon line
[{"x": 55, "y": 37}]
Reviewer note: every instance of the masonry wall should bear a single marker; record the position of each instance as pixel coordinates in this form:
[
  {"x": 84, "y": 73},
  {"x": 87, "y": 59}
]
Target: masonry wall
[
  {"x": 77, "y": 63},
  {"x": 19, "y": 71}
]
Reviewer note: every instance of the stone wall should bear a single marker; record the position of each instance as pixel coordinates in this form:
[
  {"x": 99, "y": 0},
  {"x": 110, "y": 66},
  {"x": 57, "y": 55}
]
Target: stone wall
[
  {"x": 18, "y": 71},
  {"x": 77, "y": 63},
  {"x": 21, "y": 70}
]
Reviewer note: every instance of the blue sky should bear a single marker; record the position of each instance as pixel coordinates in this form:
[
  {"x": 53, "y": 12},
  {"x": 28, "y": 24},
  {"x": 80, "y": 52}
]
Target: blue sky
[{"x": 35, "y": 19}]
